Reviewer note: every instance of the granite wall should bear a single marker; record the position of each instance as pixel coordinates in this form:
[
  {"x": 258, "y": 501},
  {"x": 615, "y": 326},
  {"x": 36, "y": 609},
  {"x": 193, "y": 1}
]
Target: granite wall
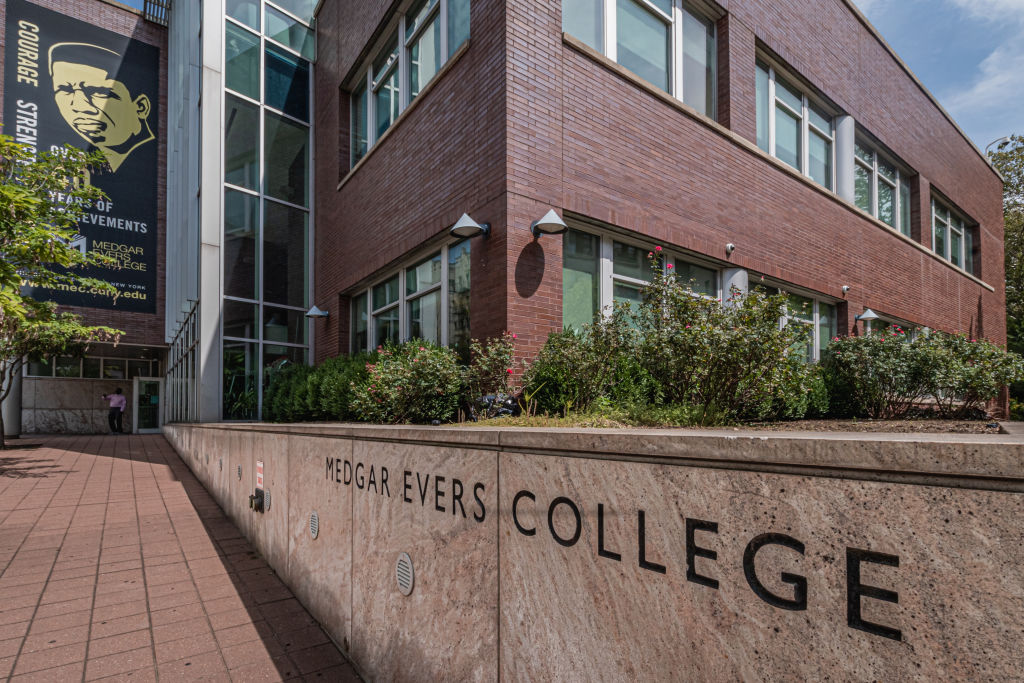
[
  {"x": 639, "y": 555},
  {"x": 70, "y": 406}
]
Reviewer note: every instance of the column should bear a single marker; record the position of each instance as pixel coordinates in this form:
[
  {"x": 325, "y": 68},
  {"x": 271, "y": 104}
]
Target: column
[{"x": 845, "y": 140}]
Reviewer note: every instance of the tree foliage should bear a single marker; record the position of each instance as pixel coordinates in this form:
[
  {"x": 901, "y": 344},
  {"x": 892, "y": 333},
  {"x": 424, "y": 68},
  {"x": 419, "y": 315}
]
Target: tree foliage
[
  {"x": 42, "y": 198},
  {"x": 1009, "y": 159}
]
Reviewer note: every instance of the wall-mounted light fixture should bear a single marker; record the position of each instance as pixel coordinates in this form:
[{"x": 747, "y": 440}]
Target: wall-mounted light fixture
[
  {"x": 467, "y": 227},
  {"x": 867, "y": 316},
  {"x": 550, "y": 224},
  {"x": 316, "y": 313},
  {"x": 729, "y": 248},
  {"x": 846, "y": 288}
]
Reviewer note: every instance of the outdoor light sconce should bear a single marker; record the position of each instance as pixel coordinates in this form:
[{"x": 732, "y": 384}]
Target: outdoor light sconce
[
  {"x": 550, "y": 224},
  {"x": 867, "y": 316},
  {"x": 846, "y": 288},
  {"x": 467, "y": 227},
  {"x": 729, "y": 248},
  {"x": 316, "y": 313}
]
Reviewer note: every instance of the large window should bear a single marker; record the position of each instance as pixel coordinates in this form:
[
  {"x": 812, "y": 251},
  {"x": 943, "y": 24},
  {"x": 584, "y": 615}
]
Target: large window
[
  {"x": 793, "y": 127},
  {"x": 814, "y": 319},
  {"x": 428, "y": 299},
  {"x": 268, "y": 173},
  {"x": 952, "y": 236},
  {"x": 599, "y": 271},
  {"x": 422, "y": 40},
  {"x": 665, "y": 42},
  {"x": 881, "y": 189},
  {"x": 129, "y": 364}
]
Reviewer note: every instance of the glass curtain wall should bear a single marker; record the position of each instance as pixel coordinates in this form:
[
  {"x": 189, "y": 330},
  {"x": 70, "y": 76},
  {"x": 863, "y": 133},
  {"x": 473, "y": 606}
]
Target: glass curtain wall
[{"x": 268, "y": 48}]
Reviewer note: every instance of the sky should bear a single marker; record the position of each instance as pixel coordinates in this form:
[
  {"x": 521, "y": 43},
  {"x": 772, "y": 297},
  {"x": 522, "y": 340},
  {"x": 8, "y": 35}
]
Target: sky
[{"x": 968, "y": 53}]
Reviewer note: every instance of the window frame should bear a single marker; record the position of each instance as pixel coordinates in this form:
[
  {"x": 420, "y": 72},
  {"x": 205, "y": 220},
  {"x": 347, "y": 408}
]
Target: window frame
[
  {"x": 956, "y": 224},
  {"x": 876, "y": 178},
  {"x": 808, "y": 99},
  {"x": 609, "y": 278},
  {"x": 404, "y": 298},
  {"x": 817, "y": 299},
  {"x": 373, "y": 82}
]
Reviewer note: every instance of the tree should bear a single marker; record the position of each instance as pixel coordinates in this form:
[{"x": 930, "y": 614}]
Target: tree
[
  {"x": 42, "y": 198},
  {"x": 1009, "y": 159}
]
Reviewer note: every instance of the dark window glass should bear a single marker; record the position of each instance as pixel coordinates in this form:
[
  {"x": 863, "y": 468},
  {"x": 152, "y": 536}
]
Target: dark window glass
[
  {"x": 241, "y": 221},
  {"x": 458, "y": 24},
  {"x": 458, "y": 295},
  {"x": 284, "y": 325},
  {"x": 360, "y": 131},
  {"x": 360, "y": 323},
  {"x": 287, "y": 83},
  {"x": 284, "y": 254},
  {"x": 239, "y": 319},
  {"x": 241, "y": 143},
  {"x": 241, "y": 365},
  {"x": 287, "y": 167}
]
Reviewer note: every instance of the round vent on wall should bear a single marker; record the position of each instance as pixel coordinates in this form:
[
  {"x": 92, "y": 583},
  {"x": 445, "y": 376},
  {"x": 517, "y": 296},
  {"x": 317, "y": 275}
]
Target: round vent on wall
[
  {"x": 404, "y": 573},
  {"x": 314, "y": 524}
]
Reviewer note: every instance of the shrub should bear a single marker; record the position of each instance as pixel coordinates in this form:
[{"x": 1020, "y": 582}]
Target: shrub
[
  {"x": 576, "y": 368},
  {"x": 965, "y": 374},
  {"x": 489, "y": 375},
  {"x": 415, "y": 382},
  {"x": 330, "y": 386},
  {"x": 725, "y": 361},
  {"x": 876, "y": 375},
  {"x": 286, "y": 396}
]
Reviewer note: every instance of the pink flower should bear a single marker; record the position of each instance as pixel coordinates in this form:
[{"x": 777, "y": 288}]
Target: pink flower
[
  {"x": 657, "y": 249},
  {"x": 670, "y": 265},
  {"x": 509, "y": 371},
  {"x": 650, "y": 254},
  {"x": 687, "y": 327},
  {"x": 515, "y": 336},
  {"x": 422, "y": 349}
]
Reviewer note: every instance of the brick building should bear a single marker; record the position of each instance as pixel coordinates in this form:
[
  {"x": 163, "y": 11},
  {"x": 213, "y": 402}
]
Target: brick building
[
  {"x": 316, "y": 155},
  {"x": 789, "y": 130}
]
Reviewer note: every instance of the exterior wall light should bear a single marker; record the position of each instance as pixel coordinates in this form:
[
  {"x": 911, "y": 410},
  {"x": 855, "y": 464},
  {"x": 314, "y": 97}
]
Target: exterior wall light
[
  {"x": 846, "y": 288},
  {"x": 729, "y": 248},
  {"x": 867, "y": 316},
  {"x": 550, "y": 224},
  {"x": 467, "y": 227},
  {"x": 316, "y": 313}
]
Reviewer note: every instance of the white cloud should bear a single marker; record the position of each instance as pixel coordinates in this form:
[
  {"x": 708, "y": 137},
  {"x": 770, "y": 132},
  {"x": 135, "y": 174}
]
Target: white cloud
[
  {"x": 1000, "y": 11},
  {"x": 868, "y": 6},
  {"x": 993, "y": 105}
]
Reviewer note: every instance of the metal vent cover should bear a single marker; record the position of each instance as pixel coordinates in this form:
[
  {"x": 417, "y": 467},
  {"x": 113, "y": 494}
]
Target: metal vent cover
[
  {"x": 239, "y": 472},
  {"x": 220, "y": 464},
  {"x": 404, "y": 573},
  {"x": 314, "y": 524},
  {"x": 266, "y": 500}
]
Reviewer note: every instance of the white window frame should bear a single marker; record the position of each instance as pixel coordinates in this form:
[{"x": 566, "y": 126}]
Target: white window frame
[
  {"x": 402, "y": 303},
  {"x": 606, "y": 266},
  {"x": 817, "y": 300},
  {"x": 807, "y": 128},
  {"x": 957, "y": 224},
  {"x": 374, "y": 82},
  {"x": 876, "y": 178}
]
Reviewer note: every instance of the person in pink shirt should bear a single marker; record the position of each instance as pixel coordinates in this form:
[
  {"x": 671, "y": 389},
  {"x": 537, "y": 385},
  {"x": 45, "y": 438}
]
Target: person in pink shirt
[{"x": 118, "y": 402}]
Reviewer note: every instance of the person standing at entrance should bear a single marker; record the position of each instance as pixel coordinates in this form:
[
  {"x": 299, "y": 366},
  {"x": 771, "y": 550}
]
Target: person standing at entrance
[{"x": 115, "y": 417}]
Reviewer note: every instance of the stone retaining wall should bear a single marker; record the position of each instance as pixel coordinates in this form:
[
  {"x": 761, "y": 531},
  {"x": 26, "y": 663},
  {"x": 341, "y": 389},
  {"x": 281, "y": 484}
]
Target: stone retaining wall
[{"x": 639, "y": 555}]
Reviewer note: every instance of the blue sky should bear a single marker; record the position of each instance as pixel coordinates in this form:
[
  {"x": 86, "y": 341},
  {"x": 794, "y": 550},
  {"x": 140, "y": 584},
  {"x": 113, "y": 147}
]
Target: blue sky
[{"x": 968, "y": 53}]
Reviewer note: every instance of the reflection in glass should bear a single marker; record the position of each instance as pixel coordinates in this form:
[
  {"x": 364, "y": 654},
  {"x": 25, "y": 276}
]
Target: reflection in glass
[
  {"x": 91, "y": 367},
  {"x": 242, "y": 61},
  {"x": 787, "y": 137},
  {"x": 425, "y": 317},
  {"x": 698, "y": 63},
  {"x": 458, "y": 24},
  {"x": 905, "y": 208},
  {"x": 581, "y": 274},
  {"x": 387, "y": 102},
  {"x": 701, "y": 280},
  {"x": 632, "y": 261},
  {"x": 239, "y": 319},
  {"x": 423, "y": 275},
  {"x": 284, "y": 254},
  {"x": 241, "y": 221},
  {"x": 276, "y": 358},
  {"x": 285, "y": 325},
  {"x": 68, "y": 366},
  {"x": 424, "y": 57},
  {"x": 360, "y": 324},
  {"x": 239, "y": 390},
  {"x": 458, "y": 296},
  {"x": 290, "y": 33},
  {"x": 886, "y": 203},
  {"x": 862, "y": 188},
  {"x": 820, "y": 159},
  {"x": 762, "y": 107},
  {"x": 241, "y": 143},
  {"x": 385, "y": 293},
  {"x": 303, "y": 9},
  {"x": 360, "y": 129},
  {"x": 385, "y": 327},
  {"x": 245, "y": 11},
  {"x": 287, "y": 164},
  {"x": 287, "y": 83},
  {"x": 585, "y": 20},
  {"x": 643, "y": 43}
]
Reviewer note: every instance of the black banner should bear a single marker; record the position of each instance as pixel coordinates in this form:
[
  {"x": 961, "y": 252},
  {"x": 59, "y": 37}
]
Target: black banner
[{"x": 68, "y": 82}]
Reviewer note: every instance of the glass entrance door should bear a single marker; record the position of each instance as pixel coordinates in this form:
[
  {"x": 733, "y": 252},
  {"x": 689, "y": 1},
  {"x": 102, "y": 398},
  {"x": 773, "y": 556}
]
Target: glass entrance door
[{"x": 147, "y": 404}]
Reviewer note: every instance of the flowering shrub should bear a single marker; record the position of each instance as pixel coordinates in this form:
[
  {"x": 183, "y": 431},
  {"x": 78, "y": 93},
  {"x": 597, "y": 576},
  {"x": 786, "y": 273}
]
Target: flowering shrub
[
  {"x": 489, "y": 376},
  {"x": 415, "y": 382},
  {"x": 885, "y": 375}
]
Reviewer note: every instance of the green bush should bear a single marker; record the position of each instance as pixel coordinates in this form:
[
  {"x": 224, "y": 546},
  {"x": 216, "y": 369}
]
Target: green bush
[
  {"x": 965, "y": 374},
  {"x": 490, "y": 373},
  {"x": 415, "y": 382},
  {"x": 576, "y": 368},
  {"x": 330, "y": 386},
  {"x": 285, "y": 398}
]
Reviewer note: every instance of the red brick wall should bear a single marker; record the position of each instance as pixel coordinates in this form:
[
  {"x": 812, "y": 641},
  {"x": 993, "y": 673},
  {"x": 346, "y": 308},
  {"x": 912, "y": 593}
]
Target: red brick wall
[
  {"x": 139, "y": 328},
  {"x": 525, "y": 122}
]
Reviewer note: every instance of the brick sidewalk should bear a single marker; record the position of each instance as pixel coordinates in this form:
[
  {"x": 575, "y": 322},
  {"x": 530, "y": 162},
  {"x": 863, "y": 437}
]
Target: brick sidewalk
[{"x": 117, "y": 564}]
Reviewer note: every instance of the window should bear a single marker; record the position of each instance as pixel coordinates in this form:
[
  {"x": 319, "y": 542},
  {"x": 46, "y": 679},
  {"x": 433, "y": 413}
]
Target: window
[
  {"x": 816, "y": 321},
  {"x": 428, "y": 299},
  {"x": 665, "y": 42},
  {"x": 599, "y": 271},
  {"x": 952, "y": 236},
  {"x": 881, "y": 189},
  {"x": 93, "y": 367},
  {"x": 794, "y": 128},
  {"x": 424, "y": 38}
]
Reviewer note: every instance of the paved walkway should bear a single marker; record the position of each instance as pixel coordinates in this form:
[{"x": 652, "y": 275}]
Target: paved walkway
[{"x": 116, "y": 564}]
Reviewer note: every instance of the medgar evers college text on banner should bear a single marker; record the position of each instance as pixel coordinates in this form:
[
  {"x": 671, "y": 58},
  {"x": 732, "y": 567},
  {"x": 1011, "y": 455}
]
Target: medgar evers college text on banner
[{"x": 68, "y": 82}]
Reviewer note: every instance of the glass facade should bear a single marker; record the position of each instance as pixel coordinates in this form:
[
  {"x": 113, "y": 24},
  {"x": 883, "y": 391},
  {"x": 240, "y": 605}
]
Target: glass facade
[
  {"x": 881, "y": 189},
  {"x": 267, "y": 179}
]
